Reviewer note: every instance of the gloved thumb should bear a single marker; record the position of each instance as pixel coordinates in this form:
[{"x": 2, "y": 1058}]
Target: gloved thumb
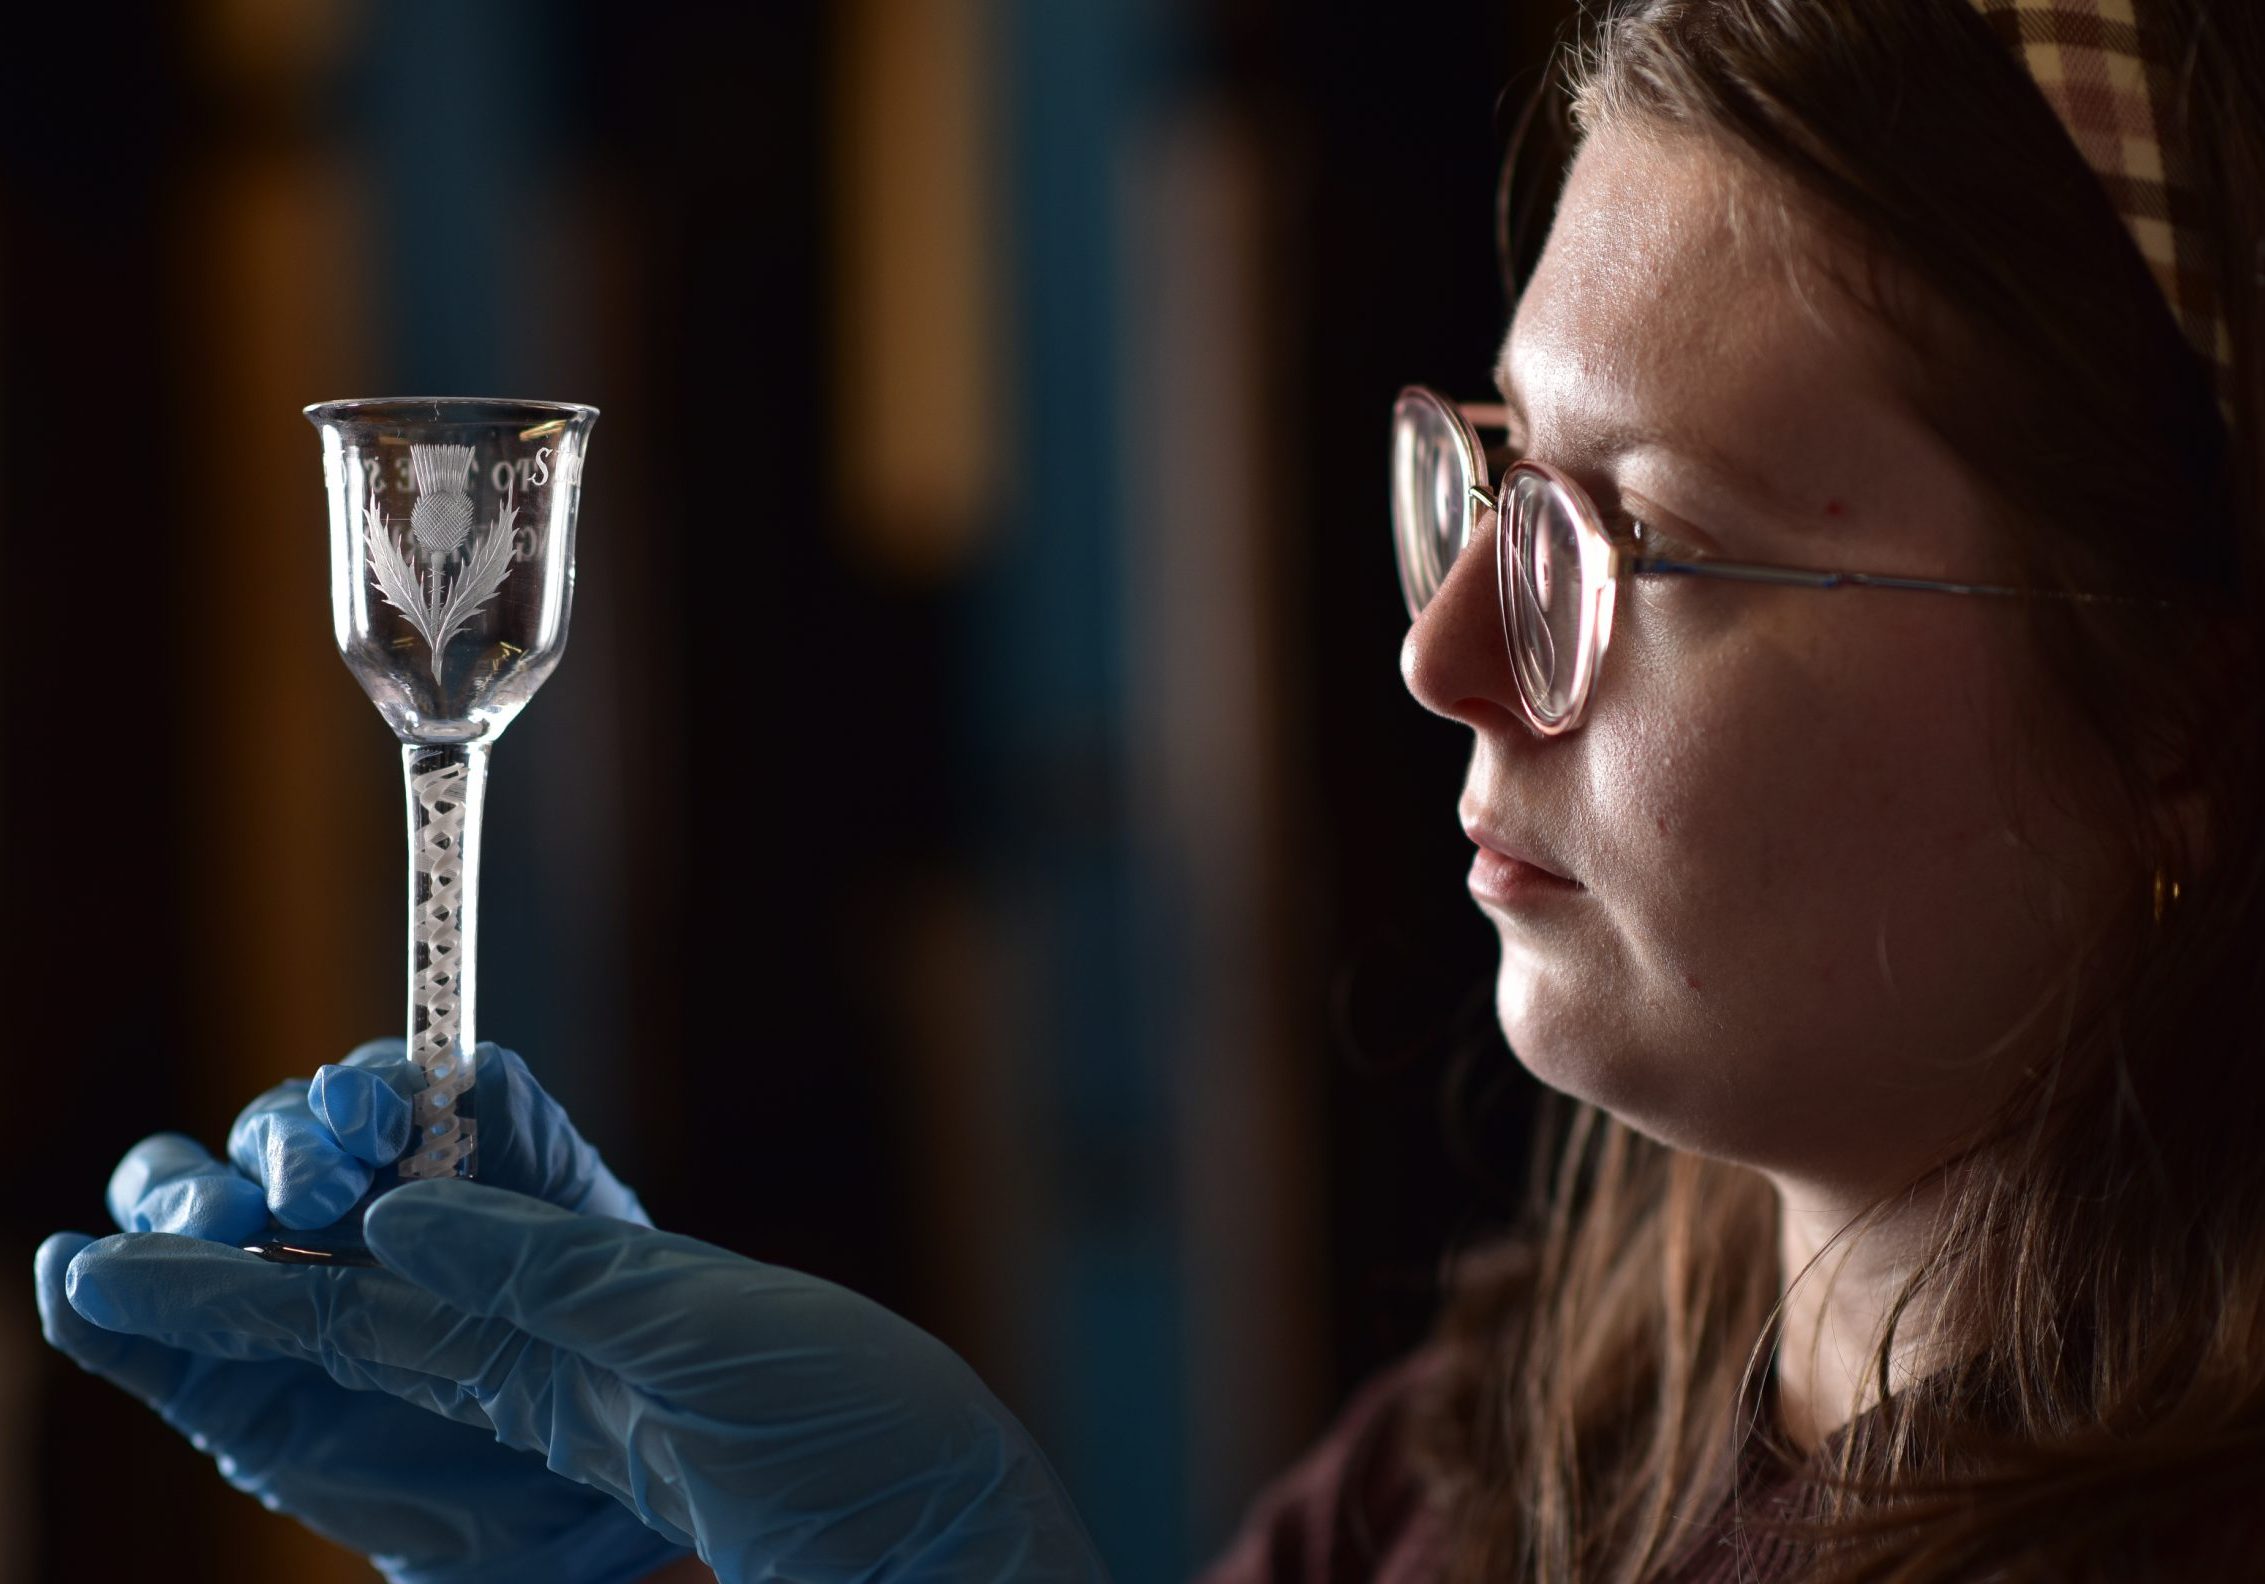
[
  {"x": 580, "y": 1282},
  {"x": 668, "y": 1313}
]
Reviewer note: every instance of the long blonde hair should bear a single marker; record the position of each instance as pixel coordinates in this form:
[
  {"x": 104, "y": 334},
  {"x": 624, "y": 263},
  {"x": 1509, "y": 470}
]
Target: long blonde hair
[{"x": 2096, "y": 1272}]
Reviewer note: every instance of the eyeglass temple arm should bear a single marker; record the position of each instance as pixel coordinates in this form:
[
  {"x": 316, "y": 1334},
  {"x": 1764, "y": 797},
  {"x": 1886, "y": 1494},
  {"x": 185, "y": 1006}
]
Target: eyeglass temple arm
[
  {"x": 1805, "y": 577},
  {"x": 1802, "y": 577},
  {"x": 1495, "y": 415}
]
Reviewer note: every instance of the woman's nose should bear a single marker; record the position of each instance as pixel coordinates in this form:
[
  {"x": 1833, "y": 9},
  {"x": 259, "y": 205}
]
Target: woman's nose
[{"x": 1455, "y": 660}]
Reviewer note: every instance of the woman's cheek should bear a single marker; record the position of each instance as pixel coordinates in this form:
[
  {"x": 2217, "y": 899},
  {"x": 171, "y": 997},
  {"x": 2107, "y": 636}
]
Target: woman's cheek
[
  {"x": 1729, "y": 814},
  {"x": 1688, "y": 782}
]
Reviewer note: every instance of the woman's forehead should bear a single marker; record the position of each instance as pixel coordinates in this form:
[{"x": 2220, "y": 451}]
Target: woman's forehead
[{"x": 1677, "y": 310}]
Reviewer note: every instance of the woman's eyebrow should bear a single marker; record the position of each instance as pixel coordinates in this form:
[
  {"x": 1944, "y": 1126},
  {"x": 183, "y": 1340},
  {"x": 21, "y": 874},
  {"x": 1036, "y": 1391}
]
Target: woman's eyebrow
[{"x": 1616, "y": 437}]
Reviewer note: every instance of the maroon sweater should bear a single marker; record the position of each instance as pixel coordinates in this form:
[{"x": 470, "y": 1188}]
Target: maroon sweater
[{"x": 1351, "y": 1511}]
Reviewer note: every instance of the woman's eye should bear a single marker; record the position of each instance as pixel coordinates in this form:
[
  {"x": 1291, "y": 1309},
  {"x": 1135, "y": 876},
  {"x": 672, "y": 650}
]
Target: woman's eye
[{"x": 1652, "y": 542}]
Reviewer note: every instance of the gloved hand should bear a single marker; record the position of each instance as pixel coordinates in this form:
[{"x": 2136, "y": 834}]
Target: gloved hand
[
  {"x": 427, "y": 1500},
  {"x": 315, "y": 1147},
  {"x": 785, "y": 1427}
]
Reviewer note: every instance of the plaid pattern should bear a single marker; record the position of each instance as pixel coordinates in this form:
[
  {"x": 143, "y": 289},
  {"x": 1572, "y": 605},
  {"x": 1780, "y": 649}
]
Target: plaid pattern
[{"x": 2109, "y": 84}]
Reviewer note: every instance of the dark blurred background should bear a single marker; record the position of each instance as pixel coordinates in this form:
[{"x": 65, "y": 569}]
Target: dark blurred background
[{"x": 977, "y": 847}]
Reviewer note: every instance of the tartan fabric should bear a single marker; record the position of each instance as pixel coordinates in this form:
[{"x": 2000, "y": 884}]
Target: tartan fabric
[{"x": 2109, "y": 82}]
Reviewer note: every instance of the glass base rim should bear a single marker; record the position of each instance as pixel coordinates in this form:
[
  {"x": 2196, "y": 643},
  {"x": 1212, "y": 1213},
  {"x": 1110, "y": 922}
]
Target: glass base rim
[{"x": 281, "y": 1251}]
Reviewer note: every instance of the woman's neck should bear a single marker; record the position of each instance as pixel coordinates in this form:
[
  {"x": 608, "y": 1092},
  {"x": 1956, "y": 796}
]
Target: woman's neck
[{"x": 1840, "y": 1283}]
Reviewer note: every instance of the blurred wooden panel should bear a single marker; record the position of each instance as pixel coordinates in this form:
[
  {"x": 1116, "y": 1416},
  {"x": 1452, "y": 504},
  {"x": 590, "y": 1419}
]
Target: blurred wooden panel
[
  {"x": 293, "y": 777},
  {"x": 279, "y": 48},
  {"x": 291, "y": 788},
  {"x": 1210, "y": 557},
  {"x": 918, "y": 458},
  {"x": 962, "y": 989}
]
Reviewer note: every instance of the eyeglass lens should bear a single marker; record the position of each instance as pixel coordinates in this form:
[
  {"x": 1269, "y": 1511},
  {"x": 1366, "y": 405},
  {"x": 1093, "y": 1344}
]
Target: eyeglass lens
[{"x": 1545, "y": 596}]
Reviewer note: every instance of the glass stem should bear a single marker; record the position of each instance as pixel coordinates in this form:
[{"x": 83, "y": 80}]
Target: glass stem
[{"x": 447, "y": 789}]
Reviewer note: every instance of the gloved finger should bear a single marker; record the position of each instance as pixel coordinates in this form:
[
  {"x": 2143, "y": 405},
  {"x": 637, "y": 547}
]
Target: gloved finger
[
  {"x": 368, "y": 1330},
  {"x": 424, "y": 1498},
  {"x": 232, "y": 1412},
  {"x": 308, "y": 1179},
  {"x": 365, "y": 1102},
  {"x": 381, "y": 1054},
  {"x": 371, "y": 1332},
  {"x": 170, "y": 1183},
  {"x": 141, "y": 1367}
]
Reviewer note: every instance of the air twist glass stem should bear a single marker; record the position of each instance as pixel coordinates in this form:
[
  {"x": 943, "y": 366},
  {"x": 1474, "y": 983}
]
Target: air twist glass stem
[{"x": 447, "y": 789}]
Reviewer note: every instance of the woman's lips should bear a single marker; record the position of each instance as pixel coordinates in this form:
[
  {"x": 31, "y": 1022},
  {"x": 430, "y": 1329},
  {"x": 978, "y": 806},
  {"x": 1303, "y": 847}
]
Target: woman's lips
[{"x": 1509, "y": 882}]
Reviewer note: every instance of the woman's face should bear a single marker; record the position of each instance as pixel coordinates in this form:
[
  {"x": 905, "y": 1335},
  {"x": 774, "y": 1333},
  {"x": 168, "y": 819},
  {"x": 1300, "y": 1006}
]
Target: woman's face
[{"x": 1814, "y": 880}]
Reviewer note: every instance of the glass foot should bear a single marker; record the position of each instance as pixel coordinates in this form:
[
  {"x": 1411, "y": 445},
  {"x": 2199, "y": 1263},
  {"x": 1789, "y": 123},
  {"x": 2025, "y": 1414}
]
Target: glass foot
[
  {"x": 339, "y": 1243},
  {"x": 294, "y": 1249}
]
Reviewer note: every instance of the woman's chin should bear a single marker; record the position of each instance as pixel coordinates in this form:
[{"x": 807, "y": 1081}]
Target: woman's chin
[{"x": 1575, "y": 1044}]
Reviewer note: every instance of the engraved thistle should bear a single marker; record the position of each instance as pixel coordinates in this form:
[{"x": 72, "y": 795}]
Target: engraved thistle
[{"x": 462, "y": 567}]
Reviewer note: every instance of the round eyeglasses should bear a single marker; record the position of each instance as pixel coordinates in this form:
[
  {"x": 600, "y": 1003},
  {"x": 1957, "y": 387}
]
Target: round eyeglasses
[{"x": 1558, "y": 566}]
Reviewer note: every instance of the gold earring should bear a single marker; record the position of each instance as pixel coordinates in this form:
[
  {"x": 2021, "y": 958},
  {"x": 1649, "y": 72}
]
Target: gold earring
[{"x": 2166, "y": 893}]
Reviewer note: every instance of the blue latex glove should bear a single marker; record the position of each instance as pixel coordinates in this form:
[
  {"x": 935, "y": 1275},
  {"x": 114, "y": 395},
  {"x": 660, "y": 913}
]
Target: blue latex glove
[
  {"x": 427, "y": 1500},
  {"x": 315, "y": 1147},
  {"x": 785, "y": 1427}
]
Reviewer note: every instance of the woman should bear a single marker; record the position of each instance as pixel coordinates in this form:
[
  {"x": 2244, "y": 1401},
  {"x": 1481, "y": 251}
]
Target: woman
[
  {"x": 1871, "y": 957},
  {"x": 1855, "y": 635}
]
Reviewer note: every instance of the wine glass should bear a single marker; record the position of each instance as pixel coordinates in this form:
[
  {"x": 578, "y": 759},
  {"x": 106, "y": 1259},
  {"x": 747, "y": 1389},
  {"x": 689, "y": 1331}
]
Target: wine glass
[{"x": 451, "y": 579}]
